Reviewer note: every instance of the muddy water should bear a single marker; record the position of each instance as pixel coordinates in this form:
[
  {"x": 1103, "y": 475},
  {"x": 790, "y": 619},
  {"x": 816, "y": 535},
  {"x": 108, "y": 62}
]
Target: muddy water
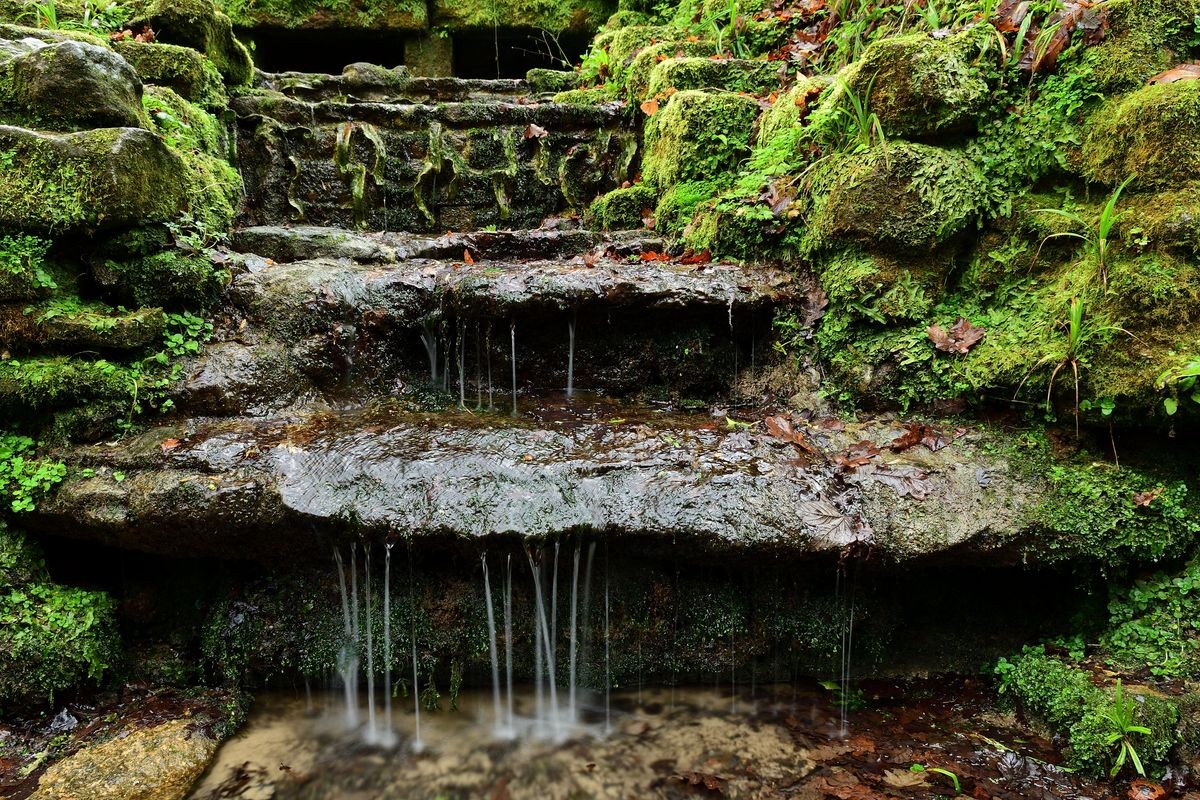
[{"x": 664, "y": 743}]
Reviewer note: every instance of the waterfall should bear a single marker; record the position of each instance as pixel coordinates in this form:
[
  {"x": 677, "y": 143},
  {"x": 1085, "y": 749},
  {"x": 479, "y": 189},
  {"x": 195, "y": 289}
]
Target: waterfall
[
  {"x": 429, "y": 339},
  {"x": 513, "y": 334},
  {"x": 607, "y": 668},
  {"x": 348, "y": 657},
  {"x": 508, "y": 642},
  {"x": 492, "y": 648},
  {"x": 571, "y": 704},
  {"x": 551, "y": 674},
  {"x": 587, "y": 605},
  {"x": 462, "y": 379},
  {"x": 417, "y": 744},
  {"x": 571, "y": 356},
  {"x": 389, "y": 736},
  {"x": 371, "y": 727}
]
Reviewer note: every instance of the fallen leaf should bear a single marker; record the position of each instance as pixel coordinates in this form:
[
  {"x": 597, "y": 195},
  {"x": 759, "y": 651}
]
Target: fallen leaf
[
  {"x": 591, "y": 259},
  {"x": 703, "y": 257},
  {"x": 1142, "y": 789},
  {"x": 781, "y": 427},
  {"x": 170, "y": 444},
  {"x": 905, "y": 479},
  {"x": 649, "y": 108},
  {"x": 1188, "y": 71},
  {"x": 536, "y": 132},
  {"x": 467, "y": 257},
  {"x": 904, "y": 779},
  {"x": 961, "y": 337},
  {"x": 711, "y": 783},
  {"x": 1144, "y": 499},
  {"x": 857, "y": 455},
  {"x": 826, "y": 518},
  {"x": 813, "y": 307}
]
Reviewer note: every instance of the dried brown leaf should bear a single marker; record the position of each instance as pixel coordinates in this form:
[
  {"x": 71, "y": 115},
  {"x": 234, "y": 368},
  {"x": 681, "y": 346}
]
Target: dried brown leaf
[
  {"x": 536, "y": 132},
  {"x": 1188, "y": 71},
  {"x": 961, "y": 337}
]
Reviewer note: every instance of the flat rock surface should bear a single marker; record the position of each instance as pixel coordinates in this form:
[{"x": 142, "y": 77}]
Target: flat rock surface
[{"x": 256, "y": 488}]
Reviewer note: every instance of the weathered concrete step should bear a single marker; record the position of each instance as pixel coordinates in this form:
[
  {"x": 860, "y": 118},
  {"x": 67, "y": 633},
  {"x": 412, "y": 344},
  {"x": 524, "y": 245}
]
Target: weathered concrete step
[
  {"x": 300, "y": 242},
  {"x": 266, "y": 488},
  {"x": 366, "y": 82},
  {"x": 420, "y": 167},
  {"x": 300, "y": 298}
]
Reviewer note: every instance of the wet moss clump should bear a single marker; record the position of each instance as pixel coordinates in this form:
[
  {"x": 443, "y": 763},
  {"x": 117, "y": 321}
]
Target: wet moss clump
[
  {"x": 181, "y": 69},
  {"x": 621, "y": 209},
  {"x": 697, "y": 135},
  {"x": 53, "y": 638},
  {"x": 1153, "y": 134}
]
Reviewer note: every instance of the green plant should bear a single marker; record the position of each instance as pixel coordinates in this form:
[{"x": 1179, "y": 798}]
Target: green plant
[
  {"x": 23, "y": 254},
  {"x": 1120, "y": 715},
  {"x": 24, "y": 479},
  {"x": 44, "y": 14},
  {"x": 852, "y": 127},
  {"x": 939, "y": 771},
  {"x": 1095, "y": 237},
  {"x": 1179, "y": 380}
]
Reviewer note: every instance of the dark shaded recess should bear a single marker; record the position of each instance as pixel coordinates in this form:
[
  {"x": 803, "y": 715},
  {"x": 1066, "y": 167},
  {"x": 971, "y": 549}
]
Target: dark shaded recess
[
  {"x": 325, "y": 51},
  {"x": 511, "y": 52},
  {"x": 790, "y": 612}
]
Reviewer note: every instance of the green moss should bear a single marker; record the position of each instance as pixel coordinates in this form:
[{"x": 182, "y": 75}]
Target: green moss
[
  {"x": 1163, "y": 220},
  {"x": 398, "y": 15},
  {"x": 1090, "y": 512},
  {"x": 730, "y": 231},
  {"x": 636, "y": 75},
  {"x": 1065, "y": 698},
  {"x": 52, "y": 638},
  {"x": 182, "y": 69},
  {"x": 902, "y": 194},
  {"x": 678, "y": 205},
  {"x": 213, "y": 185},
  {"x": 592, "y": 96},
  {"x": 170, "y": 278},
  {"x": 697, "y": 135},
  {"x": 920, "y": 85},
  {"x": 556, "y": 16},
  {"x": 101, "y": 178},
  {"x": 621, "y": 209},
  {"x": 1144, "y": 38},
  {"x": 42, "y": 383},
  {"x": 65, "y": 323},
  {"x": 201, "y": 25},
  {"x": 791, "y": 107},
  {"x": 734, "y": 74},
  {"x": 24, "y": 271},
  {"x": 552, "y": 81},
  {"x": 1153, "y": 134}
]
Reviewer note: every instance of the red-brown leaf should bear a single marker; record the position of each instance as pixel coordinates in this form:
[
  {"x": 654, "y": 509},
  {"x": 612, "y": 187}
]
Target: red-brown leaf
[
  {"x": 467, "y": 257},
  {"x": 536, "y": 132},
  {"x": 1188, "y": 71},
  {"x": 1144, "y": 499},
  {"x": 170, "y": 444},
  {"x": 961, "y": 337},
  {"x": 703, "y": 257},
  {"x": 649, "y": 108}
]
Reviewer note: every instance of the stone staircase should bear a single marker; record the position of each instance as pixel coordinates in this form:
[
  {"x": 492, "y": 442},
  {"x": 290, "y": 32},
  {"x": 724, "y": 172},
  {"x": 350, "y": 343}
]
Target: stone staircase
[
  {"x": 377, "y": 150},
  {"x": 385, "y": 365}
]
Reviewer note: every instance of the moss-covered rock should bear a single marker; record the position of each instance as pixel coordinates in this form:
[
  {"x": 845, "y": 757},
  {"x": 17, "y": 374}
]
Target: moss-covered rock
[
  {"x": 636, "y": 74},
  {"x": 920, "y": 85},
  {"x": 157, "y": 762},
  {"x": 212, "y": 184},
  {"x": 169, "y": 278},
  {"x": 697, "y": 135},
  {"x": 1144, "y": 38},
  {"x": 591, "y": 96},
  {"x": 24, "y": 272},
  {"x": 108, "y": 177},
  {"x": 791, "y": 108},
  {"x": 39, "y": 384},
  {"x": 902, "y": 194},
  {"x": 181, "y": 69},
  {"x": 67, "y": 324},
  {"x": 1153, "y": 134},
  {"x": 395, "y": 15},
  {"x": 556, "y": 16},
  {"x": 201, "y": 25},
  {"x": 731, "y": 74},
  {"x": 621, "y": 209},
  {"x": 552, "y": 81},
  {"x": 52, "y": 638},
  {"x": 1169, "y": 219},
  {"x": 71, "y": 86}
]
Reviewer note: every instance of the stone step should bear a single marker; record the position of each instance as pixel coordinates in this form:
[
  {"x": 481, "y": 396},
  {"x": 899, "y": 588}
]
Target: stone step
[
  {"x": 425, "y": 167},
  {"x": 346, "y": 317},
  {"x": 370, "y": 83},
  {"x": 259, "y": 488}
]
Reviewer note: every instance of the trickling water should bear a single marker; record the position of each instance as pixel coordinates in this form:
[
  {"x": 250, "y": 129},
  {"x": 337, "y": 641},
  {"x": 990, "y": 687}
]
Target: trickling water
[
  {"x": 572, "y": 708},
  {"x": 492, "y": 648},
  {"x": 587, "y": 605},
  {"x": 551, "y": 672},
  {"x": 607, "y": 669},
  {"x": 389, "y": 736},
  {"x": 429, "y": 339},
  {"x": 371, "y": 728},
  {"x": 512, "y": 329},
  {"x": 571, "y": 356},
  {"x": 462, "y": 378},
  {"x": 488, "y": 349},
  {"x": 348, "y": 657},
  {"x": 508, "y": 663}
]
